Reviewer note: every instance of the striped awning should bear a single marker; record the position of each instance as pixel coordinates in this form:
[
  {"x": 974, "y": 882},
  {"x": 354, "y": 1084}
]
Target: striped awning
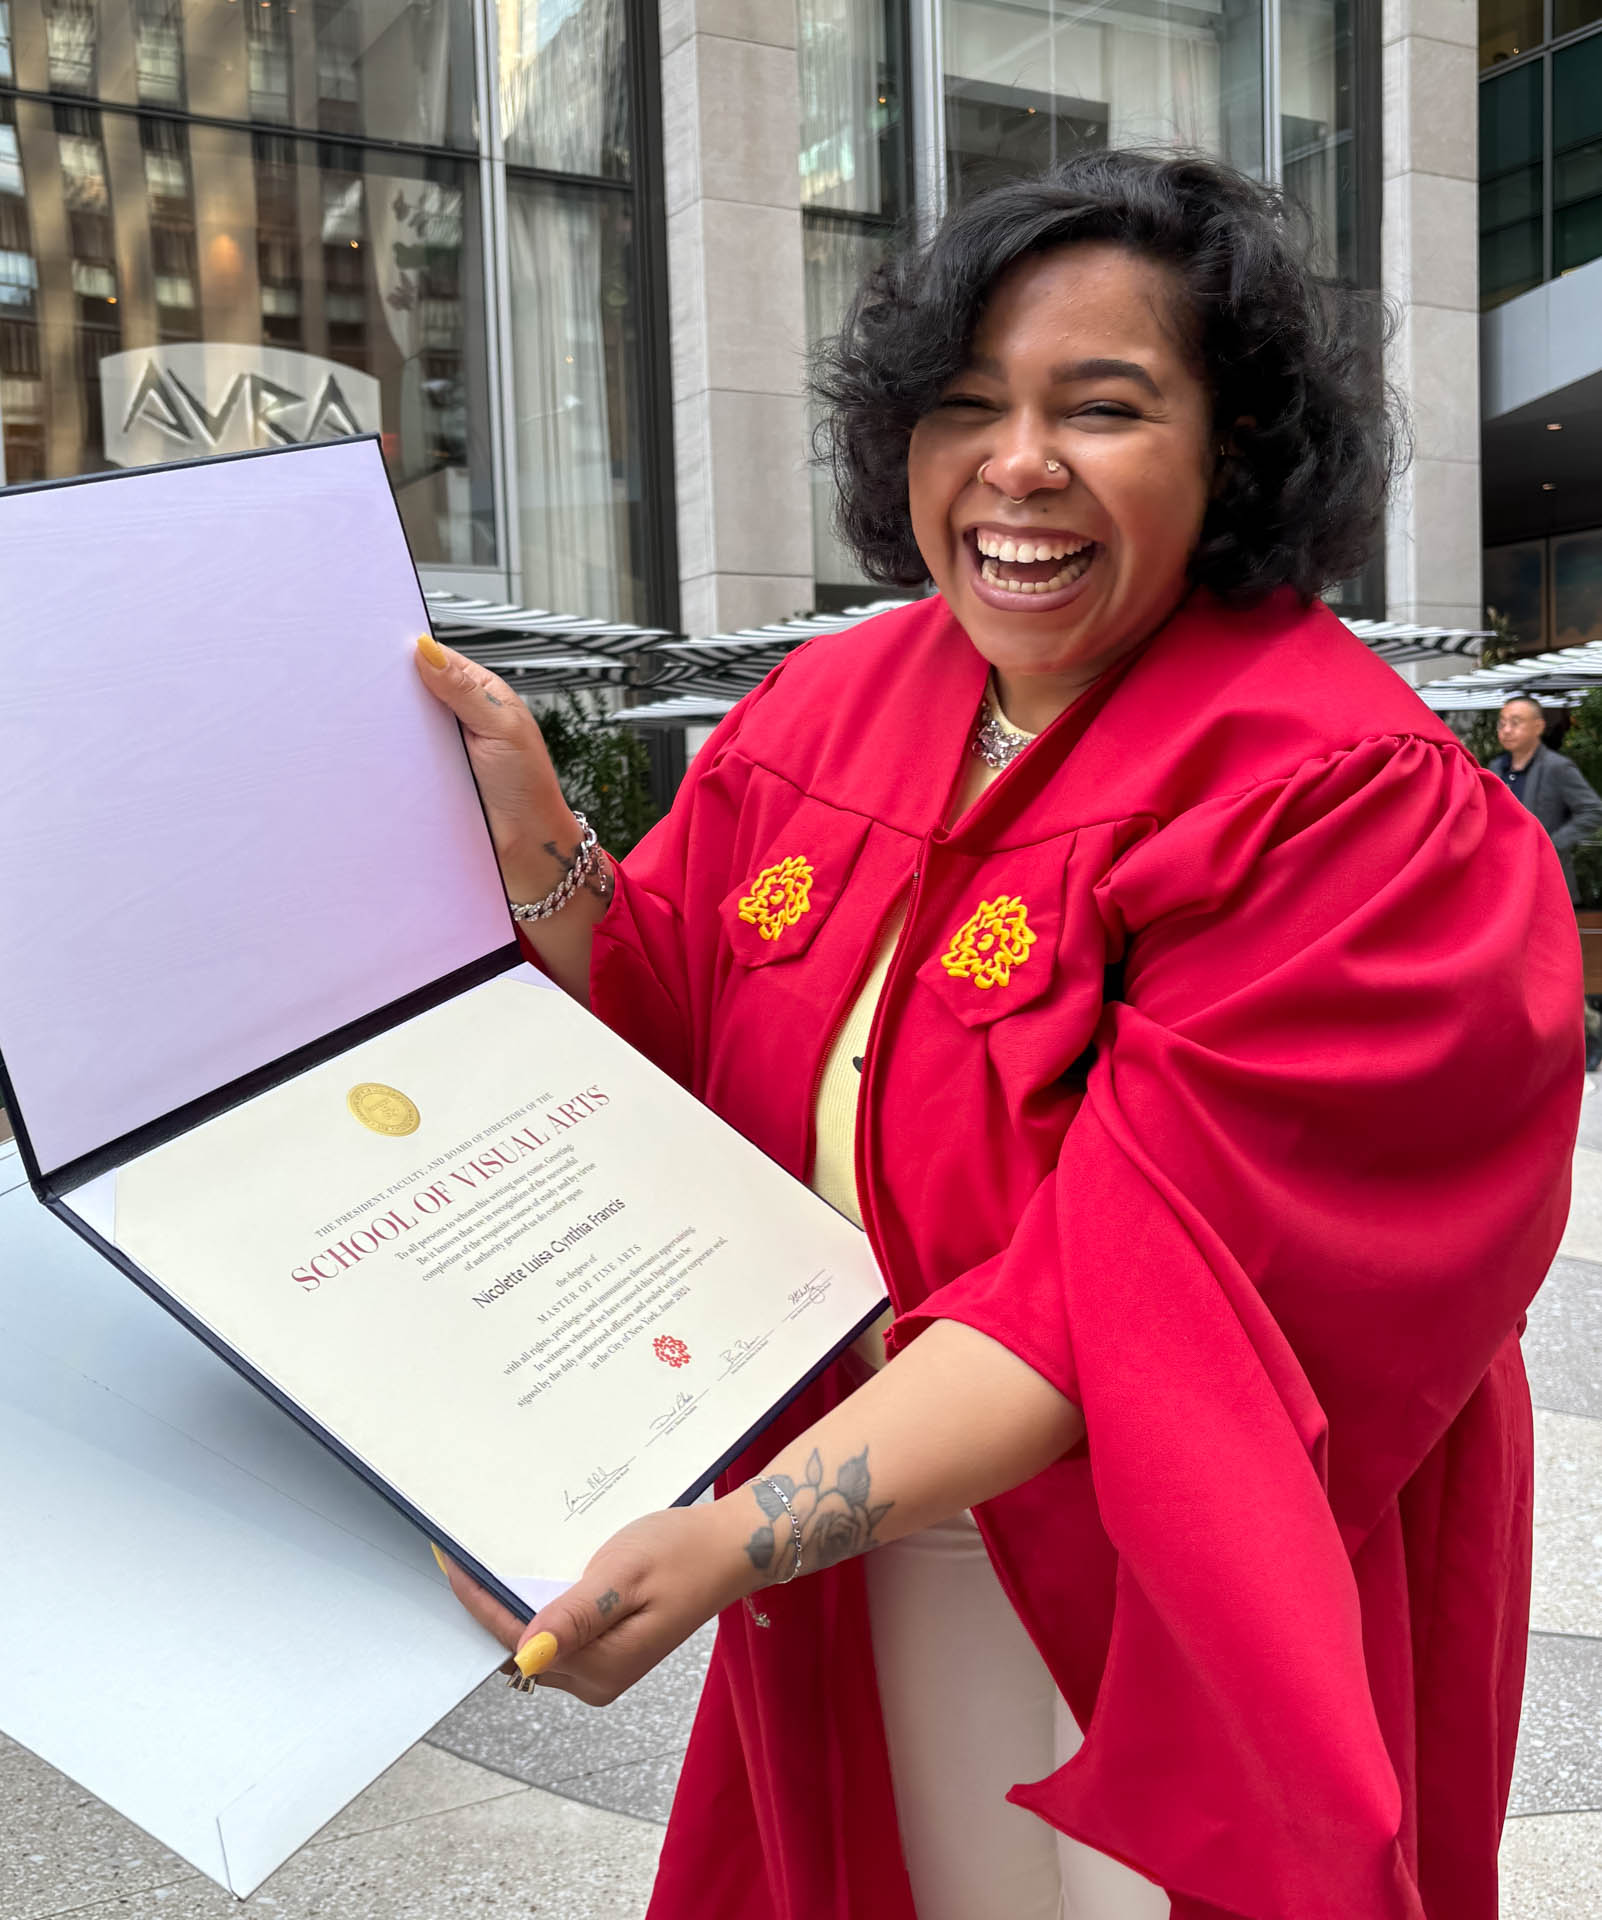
[
  {"x": 1555, "y": 679},
  {"x": 1399, "y": 643},
  {"x": 679, "y": 680}
]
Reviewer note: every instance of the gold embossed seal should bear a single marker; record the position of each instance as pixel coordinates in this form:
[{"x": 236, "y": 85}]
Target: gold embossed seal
[{"x": 383, "y": 1109}]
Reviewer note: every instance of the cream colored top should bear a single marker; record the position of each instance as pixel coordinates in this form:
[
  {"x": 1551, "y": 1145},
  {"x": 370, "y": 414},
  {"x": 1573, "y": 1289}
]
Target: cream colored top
[{"x": 834, "y": 1160}]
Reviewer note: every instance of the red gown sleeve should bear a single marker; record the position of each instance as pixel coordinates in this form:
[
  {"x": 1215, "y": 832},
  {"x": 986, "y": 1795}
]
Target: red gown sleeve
[{"x": 1320, "y": 1169}]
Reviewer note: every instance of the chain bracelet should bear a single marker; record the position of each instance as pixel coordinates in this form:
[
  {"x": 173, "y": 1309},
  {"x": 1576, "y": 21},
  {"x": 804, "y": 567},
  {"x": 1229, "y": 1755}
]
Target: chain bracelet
[
  {"x": 585, "y": 861},
  {"x": 783, "y": 1498}
]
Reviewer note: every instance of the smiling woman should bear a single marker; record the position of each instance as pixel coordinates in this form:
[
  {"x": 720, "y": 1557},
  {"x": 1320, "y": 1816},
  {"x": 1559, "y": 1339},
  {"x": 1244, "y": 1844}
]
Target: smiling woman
[
  {"x": 1220, "y": 419},
  {"x": 1126, "y": 950},
  {"x": 1057, "y": 501}
]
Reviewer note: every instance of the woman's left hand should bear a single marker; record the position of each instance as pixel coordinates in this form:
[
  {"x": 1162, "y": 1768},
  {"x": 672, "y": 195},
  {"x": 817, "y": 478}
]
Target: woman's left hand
[{"x": 643, "y": 1594}]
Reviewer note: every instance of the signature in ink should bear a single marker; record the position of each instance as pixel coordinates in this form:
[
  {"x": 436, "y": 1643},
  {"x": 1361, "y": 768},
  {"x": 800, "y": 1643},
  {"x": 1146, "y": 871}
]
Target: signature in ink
[
  {"x": 682, "y": 1404},
  {"x": 598, "y": 1482}
]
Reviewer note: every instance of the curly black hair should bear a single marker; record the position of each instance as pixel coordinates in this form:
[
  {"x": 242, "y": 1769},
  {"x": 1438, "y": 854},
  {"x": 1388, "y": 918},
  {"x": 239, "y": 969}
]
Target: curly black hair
[{"x": 1311, "y": 433}]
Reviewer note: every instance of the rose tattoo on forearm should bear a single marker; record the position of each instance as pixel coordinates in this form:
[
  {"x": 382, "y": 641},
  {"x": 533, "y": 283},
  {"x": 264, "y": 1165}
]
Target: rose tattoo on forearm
[{"x": 837, "y": 1521}]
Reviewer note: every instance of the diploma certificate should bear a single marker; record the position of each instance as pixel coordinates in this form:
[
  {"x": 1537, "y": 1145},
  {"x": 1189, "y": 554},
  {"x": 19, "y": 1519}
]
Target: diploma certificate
[{"x": 508, "y": 1266}]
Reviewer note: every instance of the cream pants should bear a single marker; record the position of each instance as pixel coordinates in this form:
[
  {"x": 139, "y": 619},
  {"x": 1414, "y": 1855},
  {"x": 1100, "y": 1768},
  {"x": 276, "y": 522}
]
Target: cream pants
[{"x": 969, "y": 1711}]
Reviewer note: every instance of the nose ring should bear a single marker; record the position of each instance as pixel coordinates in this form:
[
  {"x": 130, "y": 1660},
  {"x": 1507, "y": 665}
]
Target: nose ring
[
  {"x": 1017, "y": 499},
  {"x": 1054, "y": 466}
]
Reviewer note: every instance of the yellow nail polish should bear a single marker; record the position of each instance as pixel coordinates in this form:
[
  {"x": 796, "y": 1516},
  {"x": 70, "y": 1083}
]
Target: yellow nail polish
[
  {"x": 536, "y": 1655},
  {"x": 444, "y": 1564},
  {"x": 432, "y": 651}
]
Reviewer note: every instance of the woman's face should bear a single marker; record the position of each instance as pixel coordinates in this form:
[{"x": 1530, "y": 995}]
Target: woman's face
[{"x": 1096, "y": 437}]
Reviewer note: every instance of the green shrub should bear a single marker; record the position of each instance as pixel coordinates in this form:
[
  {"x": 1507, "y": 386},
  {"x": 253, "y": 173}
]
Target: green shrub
[{"x": 605, "y": 770}]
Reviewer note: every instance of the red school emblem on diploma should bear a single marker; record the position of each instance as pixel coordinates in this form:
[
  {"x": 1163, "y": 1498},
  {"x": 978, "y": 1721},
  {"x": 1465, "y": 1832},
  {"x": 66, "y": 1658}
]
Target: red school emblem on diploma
[{"x": 671, "y": 1351}]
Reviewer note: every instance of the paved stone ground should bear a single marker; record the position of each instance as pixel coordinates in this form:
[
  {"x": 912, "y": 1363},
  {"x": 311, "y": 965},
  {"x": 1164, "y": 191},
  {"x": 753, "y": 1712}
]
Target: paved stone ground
[{"x": 533, "y": 1805}]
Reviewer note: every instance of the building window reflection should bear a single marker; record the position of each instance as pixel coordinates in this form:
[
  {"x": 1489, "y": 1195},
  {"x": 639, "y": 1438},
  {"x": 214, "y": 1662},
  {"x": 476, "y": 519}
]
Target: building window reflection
[
  {"x": 70, "y": 45},
  {"x": 1028, "y": 82},
  {"x": 235, "y": 223},
  {"x": 576, "y": 352},
  {"x": 227, "y": 288},
  {"x": 1540, "y": 144},
  {"x": 1318, "y": 130},
  {"x": 855, "y": 189},
  {"x": 267, "y": 58},
  {"x": 159, "y": 52}
]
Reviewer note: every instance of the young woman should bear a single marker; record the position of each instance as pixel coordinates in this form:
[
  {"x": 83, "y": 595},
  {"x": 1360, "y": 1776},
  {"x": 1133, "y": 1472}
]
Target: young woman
[{"x": 1130, "y": 952}]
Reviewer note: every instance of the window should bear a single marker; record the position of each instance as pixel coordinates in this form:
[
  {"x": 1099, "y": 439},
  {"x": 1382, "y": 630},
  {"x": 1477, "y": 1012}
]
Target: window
[
  {"x": 70, "y": 45},
  {"x": 1540, "y": 143},
  {"x": 1569, "y": 16},
  {"x": 1318, "y": 128},
  {"x": 1576, "y": 154},
  {"x": 1577, "y": 589},
  {"x": 372, "y": 321},
  {"x": 564, "y": 86},
  {"x": 1030, "y": 81},
  {"x": 1515, "y": 588},
  {"x": 267, "y": 48},
  {"x": 1511, "y": 184},
  {"x": 10, "y": 161},
  {"x": 307, "y": 255},
  {"x": 580, "y": 413},
  {"x": 19, "y": 279},
  {"x": 159, "y": 51},
  {"x": 855, "y": 188},
  {"x": 1509, "y": 28}
]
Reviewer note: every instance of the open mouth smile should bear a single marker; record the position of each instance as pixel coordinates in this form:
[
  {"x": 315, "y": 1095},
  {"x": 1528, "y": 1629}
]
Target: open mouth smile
[{"x": 1038, "y": 571}]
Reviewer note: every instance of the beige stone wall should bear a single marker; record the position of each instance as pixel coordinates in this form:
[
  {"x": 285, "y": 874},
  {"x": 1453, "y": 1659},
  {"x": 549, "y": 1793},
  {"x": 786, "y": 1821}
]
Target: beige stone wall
[
  {"x": 731, "y": 119},
  {"x": 1431, "y": 279}
]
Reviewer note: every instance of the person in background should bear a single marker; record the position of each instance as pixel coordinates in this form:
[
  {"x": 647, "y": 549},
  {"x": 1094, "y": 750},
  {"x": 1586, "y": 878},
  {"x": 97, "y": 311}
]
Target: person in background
[{"x": 1561, "y": 798}]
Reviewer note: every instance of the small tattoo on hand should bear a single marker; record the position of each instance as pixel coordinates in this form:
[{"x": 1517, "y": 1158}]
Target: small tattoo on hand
[
  {"x": 493, "y": 698},
  {"x": 607, "y": 1602}
]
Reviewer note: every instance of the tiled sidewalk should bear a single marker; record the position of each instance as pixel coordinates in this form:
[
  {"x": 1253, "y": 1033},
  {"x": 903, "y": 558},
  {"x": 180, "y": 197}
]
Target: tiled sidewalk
[{"x": 534, "y": 1805}]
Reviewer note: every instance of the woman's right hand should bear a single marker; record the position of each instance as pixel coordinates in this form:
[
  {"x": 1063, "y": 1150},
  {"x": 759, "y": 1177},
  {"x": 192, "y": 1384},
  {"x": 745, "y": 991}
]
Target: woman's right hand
[
  {"x": 536, "y": 837},
  {"x": 531, "y": 824}
]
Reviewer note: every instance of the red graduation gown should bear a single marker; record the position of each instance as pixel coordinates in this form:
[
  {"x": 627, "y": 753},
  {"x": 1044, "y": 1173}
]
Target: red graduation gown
[{"x": 1258, "y": 1151}]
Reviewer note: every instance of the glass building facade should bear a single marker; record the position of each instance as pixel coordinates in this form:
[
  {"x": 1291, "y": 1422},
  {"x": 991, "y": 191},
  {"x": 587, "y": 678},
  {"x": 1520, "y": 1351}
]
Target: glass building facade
[
  {"x": 227, "y": 223},
  {"x": 911, "y": 106},
  {"x": 233, "y": 223},
  {"x": 1540, "y": 142}
]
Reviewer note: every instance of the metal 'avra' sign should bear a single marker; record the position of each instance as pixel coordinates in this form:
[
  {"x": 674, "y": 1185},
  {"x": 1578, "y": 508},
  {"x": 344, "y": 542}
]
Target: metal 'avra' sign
[{"x": 202, "y": 396}]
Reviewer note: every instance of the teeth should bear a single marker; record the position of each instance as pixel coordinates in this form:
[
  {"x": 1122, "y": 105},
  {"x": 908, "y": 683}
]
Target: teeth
[
  {"x": 1077, "y": 563},
  {"x": 996, "y": 546}
]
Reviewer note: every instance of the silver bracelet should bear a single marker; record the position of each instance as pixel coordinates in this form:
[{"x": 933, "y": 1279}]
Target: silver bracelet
[
  {"x": 585, "y": 861},
  {"x": 795, "y": 1528},
  {"x": 783, "y": 1498}
]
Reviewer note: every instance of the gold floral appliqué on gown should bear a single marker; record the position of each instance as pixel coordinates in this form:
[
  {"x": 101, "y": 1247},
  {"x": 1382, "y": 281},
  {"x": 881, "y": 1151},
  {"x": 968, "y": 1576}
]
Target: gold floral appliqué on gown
[
  {"x": 990, "y": 946},
  {"x": 779, "y": 895}
]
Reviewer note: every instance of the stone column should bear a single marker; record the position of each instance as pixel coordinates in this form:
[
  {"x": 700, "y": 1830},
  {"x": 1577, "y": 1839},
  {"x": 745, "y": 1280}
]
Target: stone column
[
  {"x": 1430, "y": 249},
  {"x": 731, "y": 119}
]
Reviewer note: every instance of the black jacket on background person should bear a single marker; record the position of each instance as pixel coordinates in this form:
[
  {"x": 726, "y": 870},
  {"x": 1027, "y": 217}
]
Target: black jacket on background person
[{"x": 1561, "y": 798}]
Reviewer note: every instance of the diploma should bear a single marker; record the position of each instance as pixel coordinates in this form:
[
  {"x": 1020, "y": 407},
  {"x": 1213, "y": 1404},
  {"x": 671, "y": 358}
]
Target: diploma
[
  {"x": 271, "y": 1049},
  {"x": 508, "y": 1267}
]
